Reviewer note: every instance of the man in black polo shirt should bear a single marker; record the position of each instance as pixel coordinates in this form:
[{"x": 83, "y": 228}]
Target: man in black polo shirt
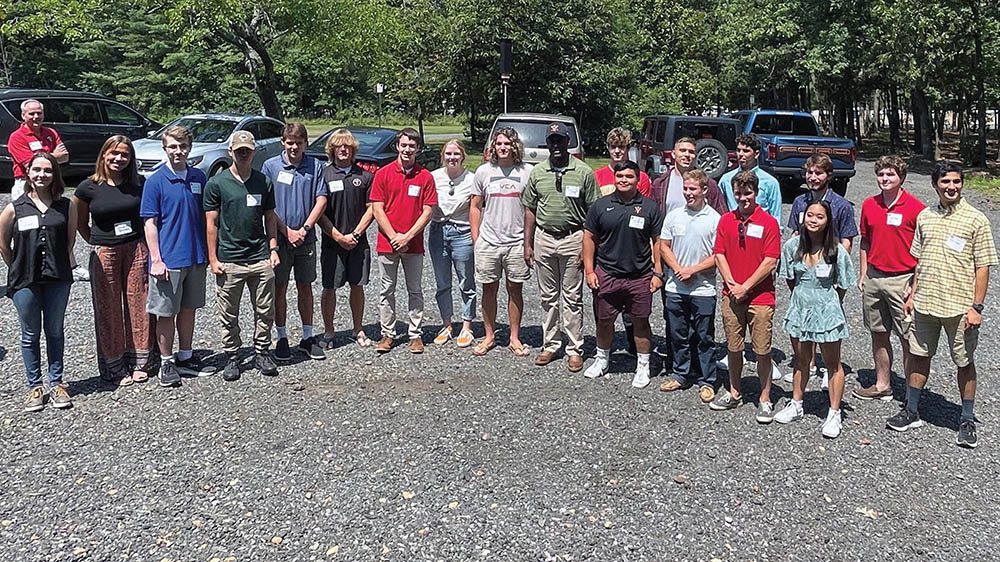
[{"x": 622, "y": 230}]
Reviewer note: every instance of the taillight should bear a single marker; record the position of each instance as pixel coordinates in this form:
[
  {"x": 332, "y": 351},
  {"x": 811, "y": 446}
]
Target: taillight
[
  {"x": 368, "y": 166},
  {"x": 772, "y": 152},
  {"x": 578, "y": 156},
  {"x": 854, "y": 154},
  {"x": 667, "y": 156}
]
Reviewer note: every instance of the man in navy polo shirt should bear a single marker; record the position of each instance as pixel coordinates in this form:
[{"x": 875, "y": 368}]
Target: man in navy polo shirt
[
  {"x": 818, "y": 173},
  {"x": 300, "y": 198},
  {"x": 620, "y": 231},
  {"x": 175, "y": 234}
]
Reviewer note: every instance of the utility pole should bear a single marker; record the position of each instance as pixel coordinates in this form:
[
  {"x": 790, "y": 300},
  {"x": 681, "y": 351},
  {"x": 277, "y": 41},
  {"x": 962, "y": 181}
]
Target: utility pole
[
  {"x": 506, "y": 54},
  {"x": 379, "y": 89}
]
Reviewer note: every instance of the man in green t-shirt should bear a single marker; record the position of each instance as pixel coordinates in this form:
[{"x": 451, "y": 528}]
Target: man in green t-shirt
[{"x": 242, "y": 250}]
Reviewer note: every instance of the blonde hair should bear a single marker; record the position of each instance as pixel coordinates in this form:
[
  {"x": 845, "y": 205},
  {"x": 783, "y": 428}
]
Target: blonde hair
[
  {"x": 341, "y": 137},
  {"x": 457, "y": 143}
]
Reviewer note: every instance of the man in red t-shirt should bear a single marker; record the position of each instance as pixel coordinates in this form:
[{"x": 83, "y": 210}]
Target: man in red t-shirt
[
  {"x": 403, "y": 195},
  {"x": 30, "y": 138},
  {"x": 747, "y": 248},
  {"x": 888, "y": 222}
]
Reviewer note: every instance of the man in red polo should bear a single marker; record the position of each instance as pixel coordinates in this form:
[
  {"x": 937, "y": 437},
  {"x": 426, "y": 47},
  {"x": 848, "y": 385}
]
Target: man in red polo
[
  {"x": 747, "y": 248},
  {"x": 29, "y": 139},
  {"x": 888, "y": 222},
  {"x": 403, "y": 195}
]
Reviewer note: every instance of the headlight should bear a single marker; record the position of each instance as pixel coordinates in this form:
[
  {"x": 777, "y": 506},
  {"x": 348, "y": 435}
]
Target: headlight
[{"x": 195, "y": 160}]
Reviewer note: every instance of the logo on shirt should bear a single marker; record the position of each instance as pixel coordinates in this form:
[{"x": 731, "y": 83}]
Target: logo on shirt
[
  {"x": 638, "y": 209},
  {"x": 356, "y": 182}
]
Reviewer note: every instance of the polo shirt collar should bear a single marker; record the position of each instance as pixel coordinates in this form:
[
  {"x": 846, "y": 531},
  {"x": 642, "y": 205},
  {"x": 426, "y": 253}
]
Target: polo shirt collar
[
  {"x": 901, "y": 198},
  {"x": 637, "y": 198},
  {"x": 288, "y": 165},
  {"x": 28, "y": 131},
  {"x": 399, "y": 167},
  {"x": 571, "y": 165},
  {"x": 953, "y": 209},
  {"x": 754, "y": 216},
  {"x": 825, "y": 195},
  {"x": 172, "y": 176},
  {"x": 704, "y": 209}
]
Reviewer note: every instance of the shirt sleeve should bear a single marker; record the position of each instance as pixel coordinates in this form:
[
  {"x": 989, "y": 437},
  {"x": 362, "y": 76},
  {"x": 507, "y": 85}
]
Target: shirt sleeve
[
  {"x": 85, "y": 191},
  {"x": 149, "y": 206},
  {"x": 793, "y": 216},
  {"x": 917, "y": 244},
  {"x": 269, "y": 202},
  {"x": 529, "y": 197},
  {"x": 774, "y": 200},
  {"x": 657, "y": 222},
  {"x": 477, "y": 183},
  {"x": 320, "y": 190},
  {"x": 19, "y": 151},
  {"x": 377, "y": 192},
  {"x": 645, "y": 187},
  {"x": 772, "y": 240},
  {"x": 719, "y": 246},
  {"x": 865, "y": 228},
  {"x": 727, "y": 191},
  {"x": 845, "y": 222},
  {"x": 210, "y": 196},
  {"x": 591, "y": 190},
  {"x": 785, "y": 269},
  {"x": 429, "y": 191},
  {"x": 592, "y": 222},
  {"x": 665, "y": 233},
  {"x": 847, "y": 276},
  {"x": 985, "y": 252}
]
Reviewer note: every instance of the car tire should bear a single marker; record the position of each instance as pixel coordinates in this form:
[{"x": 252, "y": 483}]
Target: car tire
[
  {"x": 218, "y": 167},
  {"x": 712, "y": 157},
  {"x": 839, "y": 186}
]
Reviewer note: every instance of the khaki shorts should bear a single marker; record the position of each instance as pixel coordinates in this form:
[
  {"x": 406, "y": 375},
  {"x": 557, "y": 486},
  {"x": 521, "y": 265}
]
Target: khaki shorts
[
  {"x": 301, "y": 259},
  {"x": 492, "y": 262},
  {"x": 737, "y": 316},
  {"x": 882, "y": 302},
  {"x": 927, "y": 331}
]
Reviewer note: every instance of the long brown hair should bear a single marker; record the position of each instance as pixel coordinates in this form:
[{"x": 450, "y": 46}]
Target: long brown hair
[
  {"x": 101, "y": 173},
  {"x": 57, "y": 186}
]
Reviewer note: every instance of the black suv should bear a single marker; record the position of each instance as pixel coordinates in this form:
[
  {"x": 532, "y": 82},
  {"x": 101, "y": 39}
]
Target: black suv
[
  {"x": 83, "y": 120},
  {"x": 715, "y": 136}
]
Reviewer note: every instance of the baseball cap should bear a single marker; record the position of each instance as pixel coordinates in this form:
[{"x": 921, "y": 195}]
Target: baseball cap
[
  {"x": 558, "y": 129},
  {"x": 242, "y": 139}
]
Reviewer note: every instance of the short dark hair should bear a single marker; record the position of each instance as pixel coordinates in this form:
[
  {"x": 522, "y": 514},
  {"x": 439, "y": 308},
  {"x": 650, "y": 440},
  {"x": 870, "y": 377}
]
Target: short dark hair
[
  {"x": 749, "y": 140},
  {"x": 294, "y": 130},
  {"x": 746, "y": 178},
  {"x": 626, "y": 165},
  {"x": 410, "y": 133},
  {"x": 943, "y": 168}
]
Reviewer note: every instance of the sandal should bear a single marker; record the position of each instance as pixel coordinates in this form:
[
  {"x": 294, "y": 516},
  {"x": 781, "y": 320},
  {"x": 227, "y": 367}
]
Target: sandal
[
  {"x": 482, "y": 348},
  {"x": 325, "y": 342},
  {"x": 140, "y": 376},
  {"x": 127, "y": 380},
  {"x": 465, "y": 338},
  {"x": 443, "y": 336},
  {"x": 519, "y": 350},
  {"x": 361, "y": 338}
]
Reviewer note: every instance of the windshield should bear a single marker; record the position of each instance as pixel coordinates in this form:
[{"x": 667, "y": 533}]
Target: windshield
[
  {"x": 203, "y": 130},
  {"x": 799, "y": 125},
  {"x": 369, "y": 141},
  {"x": 533, "y": 133}
]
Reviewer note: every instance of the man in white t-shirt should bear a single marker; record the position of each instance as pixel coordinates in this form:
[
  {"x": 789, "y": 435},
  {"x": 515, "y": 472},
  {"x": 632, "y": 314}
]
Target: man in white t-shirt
[{"x": 686, "y": 249}]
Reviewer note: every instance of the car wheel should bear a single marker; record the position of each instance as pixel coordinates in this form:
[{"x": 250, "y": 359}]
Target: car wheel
[
  {"x": 839, "y": 186},
  {"x": 712, "y": 157},
  {"x": 218, "y": 167}
]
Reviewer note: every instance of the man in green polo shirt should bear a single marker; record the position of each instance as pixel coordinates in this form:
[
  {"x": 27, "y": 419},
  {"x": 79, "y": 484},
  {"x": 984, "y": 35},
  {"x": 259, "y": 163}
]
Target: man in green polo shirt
[
  {"x": 243, "y": 251},
  {"x": 556, "y": 199}
]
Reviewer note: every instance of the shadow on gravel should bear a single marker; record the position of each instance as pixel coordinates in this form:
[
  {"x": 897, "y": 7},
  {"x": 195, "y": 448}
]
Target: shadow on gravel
[{"x": 935, "y": 409}]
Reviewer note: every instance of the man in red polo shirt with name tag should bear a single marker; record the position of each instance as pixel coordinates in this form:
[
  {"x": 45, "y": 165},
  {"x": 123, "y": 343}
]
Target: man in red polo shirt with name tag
[
  {"x": 29, "y": 139},
  {"x": 403, "y": 195},
  {"x": 747, "y": 248}
]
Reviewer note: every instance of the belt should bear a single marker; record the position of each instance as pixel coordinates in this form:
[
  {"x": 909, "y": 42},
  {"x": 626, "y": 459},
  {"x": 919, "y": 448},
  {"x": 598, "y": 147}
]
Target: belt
[
  {"x": 559, "y": 233},
  {"x": 876, "y": 273}
]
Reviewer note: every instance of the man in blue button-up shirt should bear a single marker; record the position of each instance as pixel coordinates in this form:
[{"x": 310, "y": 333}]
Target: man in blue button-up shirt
[{"x": 748, "y": 153}]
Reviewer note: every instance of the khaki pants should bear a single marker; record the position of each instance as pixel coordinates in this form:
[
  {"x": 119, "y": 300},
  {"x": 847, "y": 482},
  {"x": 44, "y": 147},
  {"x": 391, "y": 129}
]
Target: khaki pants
[
  {"x": 388, "y": 265},
  {"x": 559, "y": 268},
  {"x": 259, "y": 278}
]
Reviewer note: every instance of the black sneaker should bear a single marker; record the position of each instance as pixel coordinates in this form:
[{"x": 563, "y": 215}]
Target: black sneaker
[
  {"x": 169, "y": 375},
  {"x": 904, "y": 420},
  {"x": 967, "y": 434},
  {"x": 194, "y": 367},
  {"x": 231, "y": 372},
  {"x": 281, "y": 350},
  {"x": 312, "y": 349},
  {"x": 266, "y": 365}
]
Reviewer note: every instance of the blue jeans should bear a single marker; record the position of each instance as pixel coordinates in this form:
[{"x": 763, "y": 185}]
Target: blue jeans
[
  {"x": 451, "y": 247},
  {"x": 692, "y": 327},
  {"x": 42, "y": 307}
]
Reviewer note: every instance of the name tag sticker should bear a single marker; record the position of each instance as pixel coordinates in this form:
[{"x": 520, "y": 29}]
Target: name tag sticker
[
  {"x": 894, "y": 219},
  {"x": 35, "y": 146},
  {"x": 335, "y": 185},
  {"x": 27, "y": 223},
  {"x": 802, "y": 217},
  {"x": 285, "y": 177},
  {"x": 572, "y": 191},
  {"x": 123, "y": 228},
  {"x": 413, "y": 190},
  {"x": 755, "y": 231},
  {"x": 636, "y": 222},
  {"x": 196, "y": 187},
  {"x": 823, "y": 270},
  {"x": 679, "y": 229},
  {"x": 956, "y": 243},
  {"x": 253, "y": 200}
]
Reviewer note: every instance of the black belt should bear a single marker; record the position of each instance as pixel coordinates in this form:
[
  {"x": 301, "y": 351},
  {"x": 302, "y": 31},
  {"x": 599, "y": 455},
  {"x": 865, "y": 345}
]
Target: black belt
[{"x": 559, "y": 233}]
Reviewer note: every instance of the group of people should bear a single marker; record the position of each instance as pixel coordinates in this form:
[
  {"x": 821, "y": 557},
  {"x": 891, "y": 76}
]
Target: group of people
[{"x": 626, "y": 237}]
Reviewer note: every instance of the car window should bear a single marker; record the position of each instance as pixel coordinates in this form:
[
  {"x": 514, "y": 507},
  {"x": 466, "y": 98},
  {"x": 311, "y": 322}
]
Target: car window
[
  {"x": 267, "y": 130},
  {"x": 118, "y": 114},
  {"x": 661, "y": 131},
  {"x": 533, "y": 133},
  {"x": 72, "y": 111},
  {"x": 369, "y": 141},
  {"x": 14, "y": 107},
  {"x": 723, "y": 132},
  {"x": 203, "y": 130},
  {"x": 799, "y": 125}
]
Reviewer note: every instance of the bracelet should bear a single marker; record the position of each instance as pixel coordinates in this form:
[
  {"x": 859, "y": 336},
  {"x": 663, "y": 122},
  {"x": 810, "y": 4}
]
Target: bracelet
[{"x": 357, "y": 237}]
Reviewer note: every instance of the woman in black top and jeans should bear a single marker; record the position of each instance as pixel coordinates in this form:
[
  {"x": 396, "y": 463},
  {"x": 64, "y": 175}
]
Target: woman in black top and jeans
[{"x": 37, "y": 232}]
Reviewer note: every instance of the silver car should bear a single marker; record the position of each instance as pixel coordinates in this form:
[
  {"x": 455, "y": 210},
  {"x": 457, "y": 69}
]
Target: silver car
[
  {"x": 210, "y": 150},
  {"x": 533, "y": 128}
]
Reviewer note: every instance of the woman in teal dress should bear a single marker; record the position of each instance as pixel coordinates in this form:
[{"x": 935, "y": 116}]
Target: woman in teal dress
[{"x": 818, "y": 272}]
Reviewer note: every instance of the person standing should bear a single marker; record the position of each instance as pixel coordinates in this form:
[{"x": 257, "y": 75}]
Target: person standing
[
  {"x": 403, "y": 197},
  {"x": 497, "y": 220},
  {"x": 346, "y": 258},
  {"x": 243, "y": 251},
  {"x": 556, "y": 199},
  {"x": 953, "y": 244},
  {"x": 686, "y": 246},
  {"x": 300, "y": 198},
  {"x": 888, "y": 222},
  {"x": 748, "y": 155},
  {"x": 108, "y": 219},
  {"x": 37, "y": 232},
  {"x": 668, "y": 188},
  {"x": 450, "y": 241}
]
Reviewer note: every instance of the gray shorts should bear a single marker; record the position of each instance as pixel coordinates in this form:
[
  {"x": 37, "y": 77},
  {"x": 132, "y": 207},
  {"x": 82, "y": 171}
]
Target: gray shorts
[
  {"x": 183, "y": 288},
  {"x": 301, "y": 259}
]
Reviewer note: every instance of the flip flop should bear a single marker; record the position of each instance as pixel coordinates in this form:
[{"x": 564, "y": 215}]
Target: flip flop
[
  {"x": 127, "y": 380},
  {"x": 140, "y": 376},
  {"x": 519, "y": 350},
  {"x": 362, "y": 339},
  {"x": 325, "y": 343},
  {"x": 482, "y": 348}
]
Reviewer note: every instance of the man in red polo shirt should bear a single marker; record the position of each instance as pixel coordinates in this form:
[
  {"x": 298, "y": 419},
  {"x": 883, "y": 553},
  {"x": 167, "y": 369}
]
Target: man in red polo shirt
[
  {"x": 747, "y": 248},
  {"x": 30, "y": 138},
  {"x": 888, "y": 222},
  {"x": 403, "y": 195}
]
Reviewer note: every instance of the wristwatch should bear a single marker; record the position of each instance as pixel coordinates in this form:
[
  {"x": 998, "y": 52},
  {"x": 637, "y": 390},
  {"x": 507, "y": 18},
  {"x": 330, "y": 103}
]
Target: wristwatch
[
  {"x": 307, "y": 227},
  {"x": 661, "y": 275},
  {"x": 978, "y": 307}
]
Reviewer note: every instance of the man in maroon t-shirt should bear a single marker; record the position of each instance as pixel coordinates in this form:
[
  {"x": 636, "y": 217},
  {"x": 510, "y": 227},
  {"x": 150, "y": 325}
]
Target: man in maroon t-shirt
[
  {"x": 747, "y": 248},
  {"x": 888, "y": 222},
  {"x": 403, "y": 195},
  {"x": 30, "y": 138}
]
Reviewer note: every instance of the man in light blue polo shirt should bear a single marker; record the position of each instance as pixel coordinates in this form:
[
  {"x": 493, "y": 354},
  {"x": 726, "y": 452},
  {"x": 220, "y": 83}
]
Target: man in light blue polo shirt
[
  {"x": 300, "y": 198},
  {"x": 686, "y": 248},
  {"x": 747, "y": 154}
]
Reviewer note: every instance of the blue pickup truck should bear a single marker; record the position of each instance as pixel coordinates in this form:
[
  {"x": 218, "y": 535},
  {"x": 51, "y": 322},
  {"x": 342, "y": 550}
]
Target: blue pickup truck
[{"x": 788, "y": 138}]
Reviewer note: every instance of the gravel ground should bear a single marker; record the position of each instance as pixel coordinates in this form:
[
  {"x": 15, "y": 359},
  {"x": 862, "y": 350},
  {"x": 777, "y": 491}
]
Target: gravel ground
[{"x": 449, "y": 457}]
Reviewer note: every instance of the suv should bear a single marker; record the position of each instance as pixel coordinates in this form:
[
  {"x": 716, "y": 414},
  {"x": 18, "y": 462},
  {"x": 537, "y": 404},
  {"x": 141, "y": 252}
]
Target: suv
[
  {"x": 533, "y": 128},
  {"x": 715, "y": 148},
  {"x": 84, "y": 121}
]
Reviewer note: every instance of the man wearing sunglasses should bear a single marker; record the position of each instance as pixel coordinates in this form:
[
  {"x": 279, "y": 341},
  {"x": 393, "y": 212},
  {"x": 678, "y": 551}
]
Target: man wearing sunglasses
[
  {"x": 747, "y": 248},
  {"x": 556, "y": 199}
]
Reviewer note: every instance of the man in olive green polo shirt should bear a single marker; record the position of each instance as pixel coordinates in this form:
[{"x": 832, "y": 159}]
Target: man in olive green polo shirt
[
  {"x": 243, "y": 251},
  {"x": 556, "y": 199}
]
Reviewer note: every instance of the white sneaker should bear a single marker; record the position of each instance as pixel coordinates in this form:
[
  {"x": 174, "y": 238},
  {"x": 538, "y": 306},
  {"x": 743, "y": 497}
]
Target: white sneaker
[
  {"x": 724, "y": 362},
  {"x": 598, "y": 368},
  {"x": 641, "y": 377},
  {"x": 833, "y": 424},
  {"x": 776, "y": 375},
  {"x": 789, "y": 376},
  {"x": 792, "y": 412},
  {"x": 80, "y": 273},
  {"x": 825, "y": 384}
]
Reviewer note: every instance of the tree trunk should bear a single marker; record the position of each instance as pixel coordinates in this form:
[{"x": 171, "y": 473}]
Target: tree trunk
[
  {"x": 258, "y": 62},
  {"x": 420, "y": 119},
  {"x": 895, "y": 141},
  {"x": 923, "y": 125},
  {"x": 979, "y": 153},
  {"x": 473, "y": 116}
]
